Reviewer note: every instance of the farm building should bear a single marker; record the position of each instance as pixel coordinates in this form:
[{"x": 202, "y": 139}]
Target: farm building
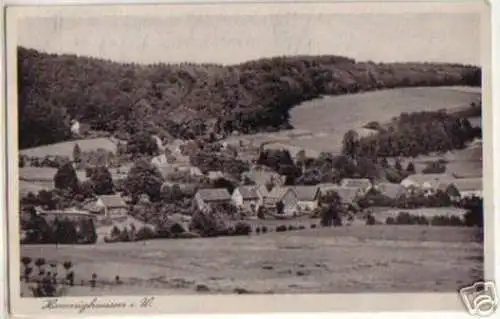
[
  {"x": 469, "y": 187},
  {"x": 307, "y": 197},
  {"x": 425, "y": 182},
  {"x": 390, "y": 190},
  {"x": 247, "y": 197},
  {"x": 204, "y": 198},
  {"x": 112, "y": 206},
  {"x": 363, "y": 184},
  {"x": 285, "y": 195},
  {"x": 72, "y": 214}
]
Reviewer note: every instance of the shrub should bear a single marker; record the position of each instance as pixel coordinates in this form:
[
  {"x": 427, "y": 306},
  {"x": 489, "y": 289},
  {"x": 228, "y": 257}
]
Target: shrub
[
  {"x": 264, "y": 229},
  {"x": 390, "y": 221},
  {"x": 281, "y": 228},
  {"x": 370, "y": 220},
  {"x": 302, "y": 227},
  {"x": 313, "y": 226},
  {"x": 291, "y": 227},
  {"x": 257, "y": 230},
  {"x": 242, "y": 228},
  {"x": 144, "y": 233}
]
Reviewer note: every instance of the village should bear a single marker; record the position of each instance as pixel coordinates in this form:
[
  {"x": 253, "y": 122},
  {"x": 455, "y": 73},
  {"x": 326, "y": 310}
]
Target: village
[{"x": 259, "y": 192}]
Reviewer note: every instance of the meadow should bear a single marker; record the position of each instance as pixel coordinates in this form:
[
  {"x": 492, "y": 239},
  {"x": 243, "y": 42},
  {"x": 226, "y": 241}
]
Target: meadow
[
  {"x": 351, "y": 259},
  {"x": 66, "y": 148},
  {"x": 320, "y": 124}
]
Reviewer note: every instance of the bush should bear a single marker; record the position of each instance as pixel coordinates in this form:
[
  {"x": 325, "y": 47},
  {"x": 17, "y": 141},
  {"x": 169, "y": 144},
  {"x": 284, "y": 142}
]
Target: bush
[
  {"x": 144, "y": 233},
  {"x": 313, "y": 226},
  {"x": 390, "y": 221},
  {"x": 443, "y": 220},
  {"x": 302, "y": 227},
  {"x": 257, "y": 230},
  {"x": 264, "y": 229},
  {"x": 242, "y": 228},
  {"x": 281, "y": 228},
  {"x": 291, "y": 227},
  {"x": 370, "y": 220}
]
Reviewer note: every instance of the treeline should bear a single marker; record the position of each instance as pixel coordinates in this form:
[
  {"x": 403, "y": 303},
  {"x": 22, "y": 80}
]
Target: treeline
[
  {"x": 190, "y": 100},
  {"x": 414, "y": 134}
]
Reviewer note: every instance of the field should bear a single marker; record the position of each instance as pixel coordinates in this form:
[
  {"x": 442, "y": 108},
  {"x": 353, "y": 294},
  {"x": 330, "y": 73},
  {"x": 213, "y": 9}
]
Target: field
[
  {"x": 34, "y": 179},
  {"x": 320, "y": 124},
  {"x": 328, "y": 260},
  {"x": 66, "y": 148}
]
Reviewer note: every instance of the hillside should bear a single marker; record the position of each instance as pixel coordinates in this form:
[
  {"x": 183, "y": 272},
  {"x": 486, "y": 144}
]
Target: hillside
[{"x": 189, "y": 100}]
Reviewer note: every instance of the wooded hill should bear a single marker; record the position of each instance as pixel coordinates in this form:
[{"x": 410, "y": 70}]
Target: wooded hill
[{"x": 188, "y": 100}]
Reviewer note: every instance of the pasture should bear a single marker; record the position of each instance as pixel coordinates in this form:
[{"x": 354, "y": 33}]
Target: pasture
[
  {"x": 320, "y": 124},
  {"x": 349, "y": 259},
  {"x": 66, "y": 148}
]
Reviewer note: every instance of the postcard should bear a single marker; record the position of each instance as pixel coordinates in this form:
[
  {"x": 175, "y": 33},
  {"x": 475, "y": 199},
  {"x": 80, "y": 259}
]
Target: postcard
[{"x": 250, "y": 158}]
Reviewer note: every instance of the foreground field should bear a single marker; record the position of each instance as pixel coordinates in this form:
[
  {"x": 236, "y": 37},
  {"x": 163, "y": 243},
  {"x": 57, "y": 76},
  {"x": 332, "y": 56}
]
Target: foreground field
[{"x": 334, "y": 260}]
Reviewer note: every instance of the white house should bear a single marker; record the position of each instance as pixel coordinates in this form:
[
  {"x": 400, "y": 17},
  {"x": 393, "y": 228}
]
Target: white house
[
  {"x": 247, "y": 197},
  {"x": 286, "y": 196},
  {"x": 75, "y": 127},
  {"x": 428, "y": 183},
  {"x": 112, "y": 206},
  {"x": 363, "y": 184},
  {"x": 307, "y": 197}
]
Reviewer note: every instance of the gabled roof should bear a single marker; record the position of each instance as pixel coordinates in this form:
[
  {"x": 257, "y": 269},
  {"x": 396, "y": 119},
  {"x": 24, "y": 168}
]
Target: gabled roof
[
  {"x": 278, "y": 192},
  {"x": 469, "y": 184},
  {"x": 214, "y": 194},
  {"x": 363, "y": 183},
  {"x": 248, "y": 192},
  {"x": 306, "y": 193},
  {"x": 113, "y": 201},
  {"x": 391, "y": 190},
  {"x": 347, "y": 194}
]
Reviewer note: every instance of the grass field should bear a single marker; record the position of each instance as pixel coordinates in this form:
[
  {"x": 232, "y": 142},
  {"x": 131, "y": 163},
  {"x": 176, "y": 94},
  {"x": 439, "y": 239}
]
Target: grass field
[
  {"x": 328, "y": 260},
  {"x": 34, "y": 179},
  {"x": 66, "y": 148}
]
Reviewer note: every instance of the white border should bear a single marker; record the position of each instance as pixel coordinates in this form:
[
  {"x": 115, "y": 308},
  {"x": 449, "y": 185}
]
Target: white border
[{"x": 495, "y": 5}]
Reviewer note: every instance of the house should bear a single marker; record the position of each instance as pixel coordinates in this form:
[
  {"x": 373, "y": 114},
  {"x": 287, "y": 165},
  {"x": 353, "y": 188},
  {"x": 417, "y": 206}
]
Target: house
[
  {"x": 204, "y": 198},
  {"x": 75, "y": 127},
  {"x": 247, "y": 197},
  {"x": 468, "y": 187},
  {"x": 390, "y": 190},
  {"x": 363, "y": 184},
  {"x": 307, "y": 197},
  {"x": 111, "y": 206},
  {"x": 428, "y": 183},
  {"x": 213, "y": 175},
  {"x": 286, "y": 196}
]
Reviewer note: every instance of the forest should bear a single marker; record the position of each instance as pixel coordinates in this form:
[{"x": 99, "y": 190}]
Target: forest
[{"x": 191, "y": 100}]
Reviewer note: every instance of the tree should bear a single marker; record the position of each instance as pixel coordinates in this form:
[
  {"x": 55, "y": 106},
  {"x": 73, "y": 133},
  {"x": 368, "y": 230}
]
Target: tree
[
  {"x": 410, "y": 169},
  {"x": 102, "y": 181},
  {"x": 144, "y": 178},
  {"x": 280, "y": 207},
  {"x": 331, "y": 210},
  {"x": 350, "y": 144},
  {"x": 66, "y": 179},
  {"x": 398, "y": 166},
  {"x": 77, "y": 154},
  {"x": 142, "y": 143}
]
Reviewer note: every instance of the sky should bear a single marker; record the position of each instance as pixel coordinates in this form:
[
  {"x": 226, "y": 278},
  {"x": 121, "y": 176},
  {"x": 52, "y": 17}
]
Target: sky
[{"x": 412, "y": 37}]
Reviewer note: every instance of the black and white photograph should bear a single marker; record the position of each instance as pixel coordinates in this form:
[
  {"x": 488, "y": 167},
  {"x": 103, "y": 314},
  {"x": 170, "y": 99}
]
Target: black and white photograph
[{"x": 284, "y": 153}]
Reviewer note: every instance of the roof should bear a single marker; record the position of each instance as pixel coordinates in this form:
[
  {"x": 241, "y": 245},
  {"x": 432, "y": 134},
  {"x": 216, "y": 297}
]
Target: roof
[
  {"x": 433, "y": 179},
  {"x": 248, "y": 192},
  {"x": 262, "y": 176},
  {"x": 469, "y": 184},
  {"x": 278, "y": 192},
  {"x": 214, "y": 194},
  {"x": 112, "y": 201},
  {"x": 391, "y": 190},
  {"x": 215, "y": 174},
  {"x": 356, "y": 182},
  {"x": 306, "y": 193}
]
